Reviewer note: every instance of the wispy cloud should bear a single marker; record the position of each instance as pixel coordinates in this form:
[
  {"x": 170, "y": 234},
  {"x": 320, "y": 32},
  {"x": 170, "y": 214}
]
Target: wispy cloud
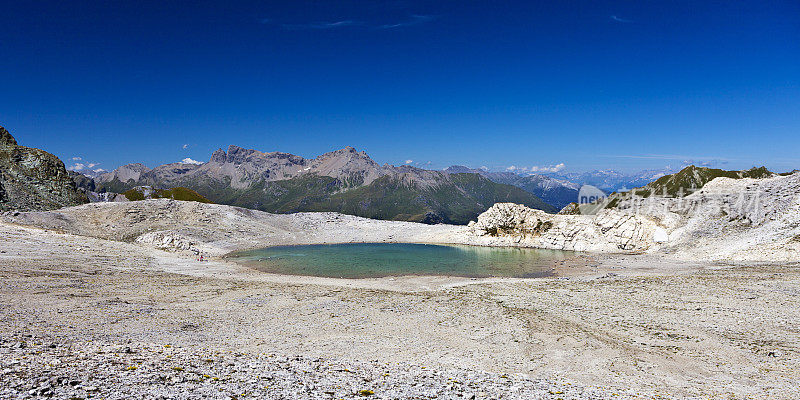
[
  {"x": 409, "y": 161},
  {"x": 620, "y": 19},
  {"x": 683, "y": 160},
  {"x": 415, "y": 19},
  {"x": 76, "y": 158},
  {"x": 712, "y": 162},
  {"x": 667, "y": 157},
  {"x": 186, "y": 146},
  {"x": 321, "y": 25}
]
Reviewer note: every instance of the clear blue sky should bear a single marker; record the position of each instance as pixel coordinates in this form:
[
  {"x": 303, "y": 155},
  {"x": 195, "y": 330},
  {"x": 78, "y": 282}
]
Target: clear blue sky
[{"x": 591, "y": 84}]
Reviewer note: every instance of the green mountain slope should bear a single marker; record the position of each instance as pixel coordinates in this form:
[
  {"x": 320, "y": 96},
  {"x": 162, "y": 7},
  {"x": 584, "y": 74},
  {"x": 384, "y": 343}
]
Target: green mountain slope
[
  {"x": 178, "y": 193},
  {"x": 686, "y": 181},
  {"x": 457, "y": 200}
]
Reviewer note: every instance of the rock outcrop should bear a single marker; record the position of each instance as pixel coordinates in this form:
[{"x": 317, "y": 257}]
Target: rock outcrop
[
  {"x": 32, "y": 179},
  {"x": 729, "y": 219},
  {"x": 612, "y": 231}
]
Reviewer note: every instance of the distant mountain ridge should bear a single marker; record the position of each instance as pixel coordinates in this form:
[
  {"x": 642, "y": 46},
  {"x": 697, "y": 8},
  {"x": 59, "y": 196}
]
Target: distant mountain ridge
[
  {"x": 556, "y": 192},
  {"x": 611, "y": 181},
  {"x": 686, "y": 181},
  {"x": 344, "y": 180},
  {"x": 33, "y": 179}
]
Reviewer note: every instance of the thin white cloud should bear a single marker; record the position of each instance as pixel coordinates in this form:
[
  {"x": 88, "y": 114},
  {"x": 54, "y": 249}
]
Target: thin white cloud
[
  {"x": 512, "y": 168},
  {"x": 409, "y": 161},
  {"x": 76, "y": 158},
  {"x": 77, "y": 167},
  {"x": 186, "y": 146},
  {"x": 321, "y": 25},
  {"x": 668, "y": 157},
  {"x": 188, "y": 160},
  {"x": 415, "y": 19},
  {"x": 619, "y": 19}
]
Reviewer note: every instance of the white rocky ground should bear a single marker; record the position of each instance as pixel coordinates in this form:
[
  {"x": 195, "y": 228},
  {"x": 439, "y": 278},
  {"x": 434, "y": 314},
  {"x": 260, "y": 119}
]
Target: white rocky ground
[
  {"x": 218, "y": 229},
  {"x": 110, "y": 303}
]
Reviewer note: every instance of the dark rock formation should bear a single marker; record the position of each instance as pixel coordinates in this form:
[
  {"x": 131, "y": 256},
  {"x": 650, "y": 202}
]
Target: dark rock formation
[
  {"x": 32, "y": 179},
  {"x": 82, "y": 181}
]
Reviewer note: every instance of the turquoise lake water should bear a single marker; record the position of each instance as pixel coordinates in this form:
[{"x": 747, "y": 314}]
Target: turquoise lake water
[{"x": 369, "y": 260}]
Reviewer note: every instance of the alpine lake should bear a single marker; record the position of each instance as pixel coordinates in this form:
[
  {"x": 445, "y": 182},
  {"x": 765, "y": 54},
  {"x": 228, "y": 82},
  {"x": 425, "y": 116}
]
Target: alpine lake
[{"x": 374, "y": 260}]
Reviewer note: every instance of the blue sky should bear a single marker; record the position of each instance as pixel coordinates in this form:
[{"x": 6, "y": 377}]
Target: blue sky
[{"x": 626, "y": 85}]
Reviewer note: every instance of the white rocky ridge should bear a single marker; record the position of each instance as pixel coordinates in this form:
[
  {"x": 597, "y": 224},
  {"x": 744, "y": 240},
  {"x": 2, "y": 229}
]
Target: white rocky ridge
[
  {"x": 508, "y": 223},
  {"x": 728, "y": 220}
]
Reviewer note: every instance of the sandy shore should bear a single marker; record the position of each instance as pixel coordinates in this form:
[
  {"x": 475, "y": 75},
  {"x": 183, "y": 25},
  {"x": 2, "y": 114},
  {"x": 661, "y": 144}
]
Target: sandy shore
[{"x": 637, "y": 326}]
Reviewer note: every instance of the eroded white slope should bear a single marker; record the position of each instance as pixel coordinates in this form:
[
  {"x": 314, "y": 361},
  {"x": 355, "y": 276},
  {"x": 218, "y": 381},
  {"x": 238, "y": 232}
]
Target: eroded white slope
[{"x": 728, "y": 220}]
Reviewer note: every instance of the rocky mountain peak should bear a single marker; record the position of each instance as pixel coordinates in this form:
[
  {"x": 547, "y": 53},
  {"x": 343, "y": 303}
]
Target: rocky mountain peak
[
  {"x": 347, "y": 152},
  {"x": 138, "y": 167},
  {"x": 219, "y": 156},
  {"x": 460, "y": 169},
  {"x": 238, "y": 155},
  {"x": 6, "y": 140}
]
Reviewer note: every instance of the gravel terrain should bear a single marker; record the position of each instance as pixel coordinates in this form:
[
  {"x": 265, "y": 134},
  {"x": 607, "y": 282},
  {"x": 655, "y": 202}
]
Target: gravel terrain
[
  {"x": 607, "y": 326},
  {"x": 46, "y": 367}
]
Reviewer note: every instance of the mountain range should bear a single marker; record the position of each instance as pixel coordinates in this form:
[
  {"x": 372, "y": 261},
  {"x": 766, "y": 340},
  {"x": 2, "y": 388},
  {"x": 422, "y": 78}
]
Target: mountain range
[
  {"x": 610, "y": 181},
  {"x": 556, "y": 192},
  {"x": 345, "y": 180}
]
